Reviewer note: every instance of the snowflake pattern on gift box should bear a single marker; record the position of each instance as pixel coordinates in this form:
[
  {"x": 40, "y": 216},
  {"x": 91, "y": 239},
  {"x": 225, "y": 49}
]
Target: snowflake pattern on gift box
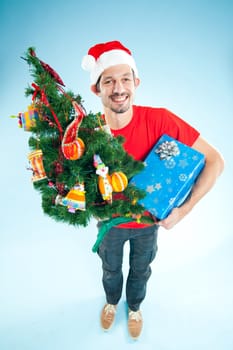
[
  {"x": 168, "y": 181},
  {"x": 183, "y": 163},
  {"x": 168, "y": 178},
  {"x": 150, "y": 189},
  {"x": 170, "y": 163},
  {"x": 158, "y": 186},
  {"x": 183, "y": 177}
]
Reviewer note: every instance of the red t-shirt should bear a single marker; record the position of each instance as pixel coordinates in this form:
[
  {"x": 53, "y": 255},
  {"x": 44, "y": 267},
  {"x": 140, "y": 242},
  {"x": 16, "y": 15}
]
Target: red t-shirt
[{"x": 144, "y": 130}]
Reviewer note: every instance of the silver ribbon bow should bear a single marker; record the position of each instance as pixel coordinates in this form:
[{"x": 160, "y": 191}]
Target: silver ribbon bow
[{"x": 167, "y": 149}]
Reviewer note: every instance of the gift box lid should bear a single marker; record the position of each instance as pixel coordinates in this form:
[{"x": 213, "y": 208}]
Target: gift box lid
[{"x": 171, "y": 169}]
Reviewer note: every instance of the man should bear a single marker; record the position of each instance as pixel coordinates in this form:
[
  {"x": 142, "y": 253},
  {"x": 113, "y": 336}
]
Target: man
[{"x": 114, "y": 79}]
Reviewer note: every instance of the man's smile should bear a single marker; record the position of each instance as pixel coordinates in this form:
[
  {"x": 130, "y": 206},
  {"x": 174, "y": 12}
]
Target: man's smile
[{"x": 119, "y": 98}]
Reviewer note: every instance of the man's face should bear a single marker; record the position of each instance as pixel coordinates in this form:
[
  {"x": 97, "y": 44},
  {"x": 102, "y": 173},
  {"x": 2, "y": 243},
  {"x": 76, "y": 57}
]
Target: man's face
[{"x": 117, "y": 88}]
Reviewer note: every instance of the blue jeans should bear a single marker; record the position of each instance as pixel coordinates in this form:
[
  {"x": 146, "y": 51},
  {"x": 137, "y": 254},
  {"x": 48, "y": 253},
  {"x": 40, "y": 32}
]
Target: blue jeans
[{"x": 143, "y": 248}]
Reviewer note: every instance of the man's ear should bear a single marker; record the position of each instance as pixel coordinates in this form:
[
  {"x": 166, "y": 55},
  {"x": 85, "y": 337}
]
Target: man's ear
[
  {"x": 94, "y": 89},
  {"x": 137, "y": 82}
]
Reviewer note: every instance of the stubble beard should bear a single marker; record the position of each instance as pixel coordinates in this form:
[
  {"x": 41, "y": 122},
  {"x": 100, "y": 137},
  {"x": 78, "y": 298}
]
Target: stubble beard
[{"x": 120, "y": 110}]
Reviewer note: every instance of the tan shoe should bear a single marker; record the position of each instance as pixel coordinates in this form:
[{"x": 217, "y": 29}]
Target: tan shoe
[
  {"x": 107, "y": 316},
  {"x": 135, "y": 323}
]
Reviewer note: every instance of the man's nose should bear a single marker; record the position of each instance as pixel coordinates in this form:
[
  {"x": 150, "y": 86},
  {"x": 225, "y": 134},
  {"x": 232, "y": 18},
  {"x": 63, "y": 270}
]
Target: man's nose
[{"x": 118, "y": 87}]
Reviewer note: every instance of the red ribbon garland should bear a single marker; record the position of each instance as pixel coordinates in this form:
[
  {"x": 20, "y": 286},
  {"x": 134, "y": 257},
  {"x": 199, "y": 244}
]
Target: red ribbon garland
[
  {"x": 43, "y": 97},
  {"x": 44, "y": 100}
]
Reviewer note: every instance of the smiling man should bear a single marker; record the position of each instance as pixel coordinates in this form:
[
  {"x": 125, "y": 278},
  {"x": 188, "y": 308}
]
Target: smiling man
[
  {"x": 114, "y": 79},
  {"x": 117, "y": 92}
]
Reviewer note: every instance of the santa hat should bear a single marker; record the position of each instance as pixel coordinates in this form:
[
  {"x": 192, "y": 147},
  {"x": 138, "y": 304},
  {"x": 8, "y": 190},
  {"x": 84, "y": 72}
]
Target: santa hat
[{"x": 105, "y": 55}]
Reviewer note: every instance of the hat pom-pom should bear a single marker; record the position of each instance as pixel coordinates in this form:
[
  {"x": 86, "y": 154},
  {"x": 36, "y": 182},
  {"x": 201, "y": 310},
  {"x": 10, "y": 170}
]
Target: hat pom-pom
[{"x": 88, "y": 63}]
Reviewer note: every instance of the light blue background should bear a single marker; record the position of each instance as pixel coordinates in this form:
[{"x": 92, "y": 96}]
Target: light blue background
[{"x": 51, "y": 292}]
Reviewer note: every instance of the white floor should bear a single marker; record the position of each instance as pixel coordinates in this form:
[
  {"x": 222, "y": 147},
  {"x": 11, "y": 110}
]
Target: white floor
[{"x": 51, "y": 292}]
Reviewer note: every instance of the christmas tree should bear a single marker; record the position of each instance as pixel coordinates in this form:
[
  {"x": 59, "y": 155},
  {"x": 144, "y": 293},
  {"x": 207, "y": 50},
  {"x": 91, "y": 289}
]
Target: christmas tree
[{"x": 79, "y": 168}]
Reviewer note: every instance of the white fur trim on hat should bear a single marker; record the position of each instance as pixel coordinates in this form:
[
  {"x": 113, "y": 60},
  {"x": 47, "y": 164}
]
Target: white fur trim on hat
[
  {"x": 106, "y": 60},
  {"x": 88, "y": 63}
]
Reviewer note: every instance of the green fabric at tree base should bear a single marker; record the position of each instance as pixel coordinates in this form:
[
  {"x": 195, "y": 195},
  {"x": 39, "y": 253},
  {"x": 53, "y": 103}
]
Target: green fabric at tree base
[{"x": 105, "y": 227}]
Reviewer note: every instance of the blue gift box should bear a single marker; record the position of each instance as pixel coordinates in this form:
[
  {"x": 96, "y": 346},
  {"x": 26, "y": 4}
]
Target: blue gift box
[{"x": 171, "y": 169}]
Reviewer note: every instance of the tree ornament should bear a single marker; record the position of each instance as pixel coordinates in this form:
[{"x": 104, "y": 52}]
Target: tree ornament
[
  {"x": 58, "y": 199},
  {"x": 75, "y": 198},
  {"x": 36, "y": 160},
  {"x": 105, "y": 128},
  {"x": 73, "y": 146},
  {"x": 61, "y": 188},
  {"x": 27, "y": 119},
  {"x": 104, "y": 179},
  {"x": 119, "y": 181},
  {"x": 74, "y": 150},
  {"x": 49, "y": 121},
  {"x": 105, "y": 188},
  {"x": 48, "y": 68},
  {"x": 58, "y": 168}
]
